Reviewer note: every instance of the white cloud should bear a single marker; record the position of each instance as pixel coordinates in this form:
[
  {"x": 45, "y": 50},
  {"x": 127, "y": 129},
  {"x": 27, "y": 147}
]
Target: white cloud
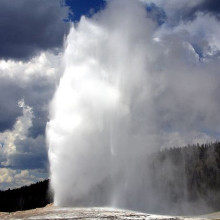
[
  {"x": 43, "y": 65},
  {"x": 203, "y": 28},
  {"x": 19, "y": 132},
  {"x": 6, "y": 175},
  {"x": 22, "y": 174},
  {"x": 29, "y": 86},
  {"x": 10, "y": 178}
]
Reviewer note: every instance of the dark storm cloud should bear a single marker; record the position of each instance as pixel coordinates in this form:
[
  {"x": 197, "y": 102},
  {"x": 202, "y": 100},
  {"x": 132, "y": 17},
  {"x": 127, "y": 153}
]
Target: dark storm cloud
[
  {"x": 9, "y": 95},
  {"x": 209, "y": 6},
  {"x": 37, "y": 95},
  {"x": 30, "y": 154},
  {"x": 156, "y": 13},
  {"x": 27, "y": 27},
  {"x": 33, "y": 84}
]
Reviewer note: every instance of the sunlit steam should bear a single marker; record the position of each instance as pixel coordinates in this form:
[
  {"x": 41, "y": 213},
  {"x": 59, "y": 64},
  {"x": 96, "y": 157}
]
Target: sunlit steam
[{"x": 125, "y": 93}]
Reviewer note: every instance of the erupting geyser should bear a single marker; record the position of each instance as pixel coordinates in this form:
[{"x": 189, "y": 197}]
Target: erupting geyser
[
  {"x": 99, "y": 125},
  {"x": 116, "y": 102}
]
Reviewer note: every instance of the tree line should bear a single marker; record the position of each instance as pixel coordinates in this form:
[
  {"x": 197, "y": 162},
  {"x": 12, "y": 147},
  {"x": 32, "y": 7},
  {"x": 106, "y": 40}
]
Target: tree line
[
  {"x": 188, "y": 174},
  {"x": 182, "y": 175},
  {"x": 24, "y": 198}
]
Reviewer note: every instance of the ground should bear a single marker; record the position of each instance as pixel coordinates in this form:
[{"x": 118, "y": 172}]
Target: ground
[{"x": 52, "y": 212}]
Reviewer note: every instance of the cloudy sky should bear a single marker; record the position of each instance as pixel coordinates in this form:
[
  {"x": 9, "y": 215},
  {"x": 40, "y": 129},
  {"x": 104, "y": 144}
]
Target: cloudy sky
[{"x": 32, "y": 34}]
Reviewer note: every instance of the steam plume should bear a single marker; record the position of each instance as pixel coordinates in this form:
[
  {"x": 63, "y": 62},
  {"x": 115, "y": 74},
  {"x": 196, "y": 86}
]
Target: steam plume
[{"x": 129, "y": 88}]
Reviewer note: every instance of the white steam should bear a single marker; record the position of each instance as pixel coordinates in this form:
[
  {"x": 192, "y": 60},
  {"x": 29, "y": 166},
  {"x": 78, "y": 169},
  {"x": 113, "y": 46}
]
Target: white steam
[{"x": 128, "y": 89}]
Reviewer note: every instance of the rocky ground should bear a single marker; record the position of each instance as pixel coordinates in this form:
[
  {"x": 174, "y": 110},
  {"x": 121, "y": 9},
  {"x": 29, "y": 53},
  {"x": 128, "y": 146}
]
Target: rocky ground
[{"x": 52, "y": 212}]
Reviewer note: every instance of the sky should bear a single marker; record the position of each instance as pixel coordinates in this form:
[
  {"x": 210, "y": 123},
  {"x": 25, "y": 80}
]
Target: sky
[{"x": 32, "y": 35}]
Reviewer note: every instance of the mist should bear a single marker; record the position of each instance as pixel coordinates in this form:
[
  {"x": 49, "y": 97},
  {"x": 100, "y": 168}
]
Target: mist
[{"x": 129, "y": 88}]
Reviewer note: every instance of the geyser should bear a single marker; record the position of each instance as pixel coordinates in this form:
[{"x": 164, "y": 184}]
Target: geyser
[
  {"x": 99, "y": 125},
  {"x": 126, "y": 91}
]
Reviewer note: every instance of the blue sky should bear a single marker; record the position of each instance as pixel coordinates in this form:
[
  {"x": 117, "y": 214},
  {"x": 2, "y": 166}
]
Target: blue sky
[
  {"x": 32, "y": 33},
  {"x": 79, "y": 8}
]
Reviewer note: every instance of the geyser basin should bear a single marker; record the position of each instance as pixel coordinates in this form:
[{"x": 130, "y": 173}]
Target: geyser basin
[{"x": 51, "y": 212}]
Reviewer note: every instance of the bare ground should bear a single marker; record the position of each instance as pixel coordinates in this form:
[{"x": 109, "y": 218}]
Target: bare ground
[{"x": 52, "y": 212}]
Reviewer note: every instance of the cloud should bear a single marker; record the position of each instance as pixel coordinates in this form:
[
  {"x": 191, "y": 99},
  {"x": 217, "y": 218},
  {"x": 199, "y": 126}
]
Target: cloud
[
  {"x": 31, "y": 153},
  {"x": 9, "y": 96},
  {"x": 10, "y": 68},
  {"x": 30, "y": 67},
  {"x": 210, "y": 7},
  {"x": 10, "y": 178},
  {"x": 30, "y": 27},
  {"x": 18, "y": 133},
  {"x": 20, "y": 152},
  {"x": 174, "y": 5},
  {"x": 202, "y": 33},
  {"x": 6, "y": 175},
  {"x": 177, "y": 11},
  {"x": 34, "y": 81},
  {"x": 26, "y": 90}
]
